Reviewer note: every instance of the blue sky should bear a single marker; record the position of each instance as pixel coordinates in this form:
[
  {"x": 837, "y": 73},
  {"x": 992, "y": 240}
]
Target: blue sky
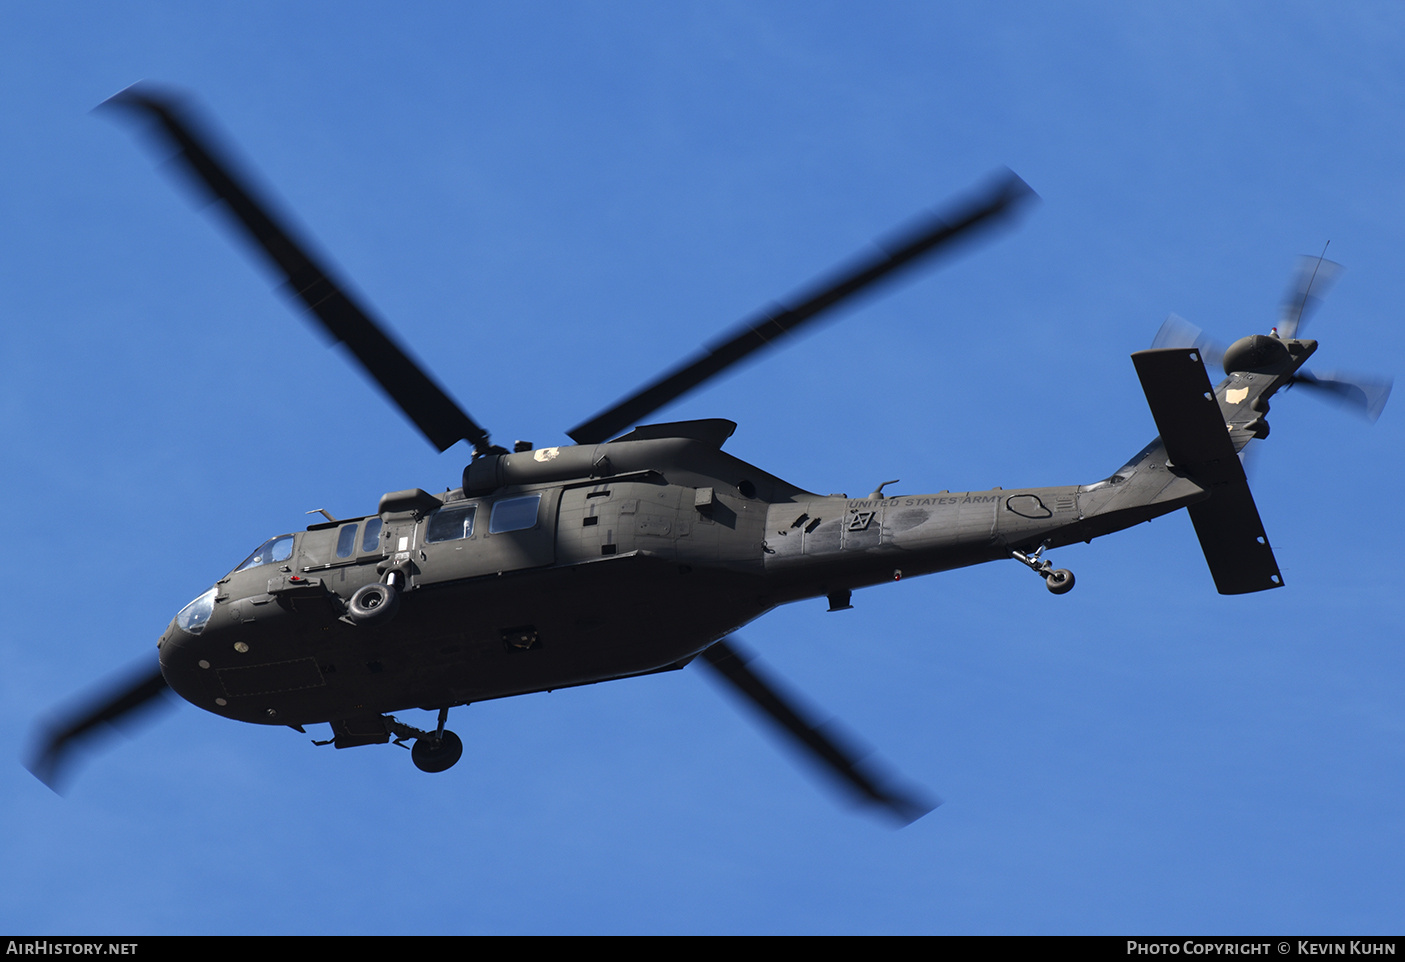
[{"x": 550, "y": 203}]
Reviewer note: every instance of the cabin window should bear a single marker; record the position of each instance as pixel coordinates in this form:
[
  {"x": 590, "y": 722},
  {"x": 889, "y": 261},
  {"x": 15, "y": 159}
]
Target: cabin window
[
  {"x": 451, "y": 524},
  {"x": 346, "y": 541},
  {"x": 371, "y": 540},
  {"x": 514, "y": 514},
  {"x": 270, "y": 552}
]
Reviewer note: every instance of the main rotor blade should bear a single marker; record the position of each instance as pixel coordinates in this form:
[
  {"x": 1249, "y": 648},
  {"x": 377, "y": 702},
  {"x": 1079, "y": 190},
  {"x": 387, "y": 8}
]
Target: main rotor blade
[
  {"x": 441, "y": 420},
  {"x": 930, "y": 235},
  {"x": 121, "y": 700},
  {"x": 732, "y": 666}
]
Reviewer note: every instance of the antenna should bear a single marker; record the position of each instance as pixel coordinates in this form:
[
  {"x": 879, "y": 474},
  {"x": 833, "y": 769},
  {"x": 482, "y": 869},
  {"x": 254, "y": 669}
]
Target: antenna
[{"x": 1302, "y": 301}]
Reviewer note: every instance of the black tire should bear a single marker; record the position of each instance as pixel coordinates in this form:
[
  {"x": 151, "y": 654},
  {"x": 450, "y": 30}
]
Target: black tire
[
  {"x": 1060, "y": 582},
  {"x": 436, "y": 755},
  {"x": 373, "y": 604}
]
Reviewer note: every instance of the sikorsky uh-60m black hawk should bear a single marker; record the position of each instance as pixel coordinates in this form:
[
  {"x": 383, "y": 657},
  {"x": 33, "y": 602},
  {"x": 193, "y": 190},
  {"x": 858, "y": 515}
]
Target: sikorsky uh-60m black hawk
[{"x": 626, "y": 554}]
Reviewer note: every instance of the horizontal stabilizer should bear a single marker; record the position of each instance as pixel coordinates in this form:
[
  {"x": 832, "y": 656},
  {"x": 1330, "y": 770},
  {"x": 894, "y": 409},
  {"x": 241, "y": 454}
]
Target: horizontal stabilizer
[
  {"x": 1197, "y": 442},
  {"x": 1234, "y": 542}
]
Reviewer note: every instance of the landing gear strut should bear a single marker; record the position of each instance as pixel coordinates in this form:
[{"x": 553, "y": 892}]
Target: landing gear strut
[
  {"x": 1057, "y": 580},
  {"x": 437, "y": 752},
  {"x": 434, "y": 751}
]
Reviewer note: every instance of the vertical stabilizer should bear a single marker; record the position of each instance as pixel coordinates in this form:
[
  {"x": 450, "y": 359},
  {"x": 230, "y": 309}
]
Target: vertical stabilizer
[{"x": 1194, "y": 430}]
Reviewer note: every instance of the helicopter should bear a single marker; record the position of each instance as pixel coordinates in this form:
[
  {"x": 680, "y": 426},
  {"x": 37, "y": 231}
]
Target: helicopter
[{"x": 642, "y": 547}]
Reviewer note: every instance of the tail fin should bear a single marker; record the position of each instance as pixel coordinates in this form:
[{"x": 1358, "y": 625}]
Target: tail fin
[{"x": 1197, "y": 439}]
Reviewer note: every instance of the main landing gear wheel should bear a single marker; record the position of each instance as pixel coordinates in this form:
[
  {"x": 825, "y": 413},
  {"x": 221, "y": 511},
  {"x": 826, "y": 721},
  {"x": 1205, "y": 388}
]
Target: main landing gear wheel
[
  {"x": 1057, "y": 580},
  {"x": 373, "y": 604},
  {"x": 432, "y": 754}
]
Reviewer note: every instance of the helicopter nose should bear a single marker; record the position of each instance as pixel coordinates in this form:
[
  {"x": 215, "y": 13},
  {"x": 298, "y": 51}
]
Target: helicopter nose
[
  {"x": 181, "y": 655},
  {"x": 187, "y": 648}
]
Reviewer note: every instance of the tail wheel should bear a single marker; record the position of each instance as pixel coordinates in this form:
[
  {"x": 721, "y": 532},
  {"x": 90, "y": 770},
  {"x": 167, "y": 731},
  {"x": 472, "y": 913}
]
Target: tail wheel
[
  {"x": 373, "y": 604},
  {"x": 432, "y": 754},
  {"x": 1059, "y": 581}
]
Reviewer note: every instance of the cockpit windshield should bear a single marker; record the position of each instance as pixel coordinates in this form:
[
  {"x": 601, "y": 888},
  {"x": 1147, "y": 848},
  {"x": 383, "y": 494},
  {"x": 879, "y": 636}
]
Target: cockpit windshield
[
  {"x": 193, "y": 616},
  {"x": 270, "y": 552}
]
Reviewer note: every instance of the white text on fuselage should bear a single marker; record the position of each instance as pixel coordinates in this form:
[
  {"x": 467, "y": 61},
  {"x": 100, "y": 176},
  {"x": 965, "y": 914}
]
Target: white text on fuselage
[{"x": 932, "y": 502}]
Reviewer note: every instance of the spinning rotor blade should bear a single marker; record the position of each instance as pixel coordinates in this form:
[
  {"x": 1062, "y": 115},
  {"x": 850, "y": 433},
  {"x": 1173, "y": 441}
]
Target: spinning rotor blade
[
  {"x": 425, "y": 403},
  {"x": 1311, "y": 282},
  {"x": 122, "y": 700},
  {"x": 1364, "y": 395},
  {"x": 732, "y": 665},
  {"x": 931, "y": 234},
  {"x": 1176, "y": 331}
]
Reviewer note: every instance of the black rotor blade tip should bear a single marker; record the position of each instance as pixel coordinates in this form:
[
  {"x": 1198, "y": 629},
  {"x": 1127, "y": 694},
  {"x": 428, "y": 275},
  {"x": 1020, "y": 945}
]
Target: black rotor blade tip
[
  {"x": 119, "y": 701},
  {"x": 917, "y": 242},
  {"x": 211, "y": 168},
  {"x": 822, "y": 747}
]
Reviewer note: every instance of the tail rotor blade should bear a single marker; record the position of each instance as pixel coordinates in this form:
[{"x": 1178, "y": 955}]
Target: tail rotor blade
[
  {"x": 738, "y": 670},
  {"x": 1312, "y": 280},
  {"x": 1176, "y": 331},
  {"x": 1366, "y": 396}
]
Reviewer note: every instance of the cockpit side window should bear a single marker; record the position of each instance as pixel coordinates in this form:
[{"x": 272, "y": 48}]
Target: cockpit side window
[
  {"x": 451, "y": 524},
  {"x": 270, "y": 552}
]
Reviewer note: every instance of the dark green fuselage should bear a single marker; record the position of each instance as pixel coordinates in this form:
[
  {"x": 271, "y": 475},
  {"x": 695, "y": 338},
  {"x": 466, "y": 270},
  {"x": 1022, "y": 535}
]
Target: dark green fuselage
[
  {"x": 620, "y": 575},
  {"x": 644, "y": 551}
]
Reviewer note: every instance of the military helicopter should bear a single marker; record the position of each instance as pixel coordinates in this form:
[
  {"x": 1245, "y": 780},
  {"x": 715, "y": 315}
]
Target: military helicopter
[{"x": 627, "y": 554}]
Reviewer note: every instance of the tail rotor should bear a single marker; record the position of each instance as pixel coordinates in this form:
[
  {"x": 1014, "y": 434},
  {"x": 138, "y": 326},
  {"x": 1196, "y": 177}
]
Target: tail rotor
[{"x": 1365, "y": 395}]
